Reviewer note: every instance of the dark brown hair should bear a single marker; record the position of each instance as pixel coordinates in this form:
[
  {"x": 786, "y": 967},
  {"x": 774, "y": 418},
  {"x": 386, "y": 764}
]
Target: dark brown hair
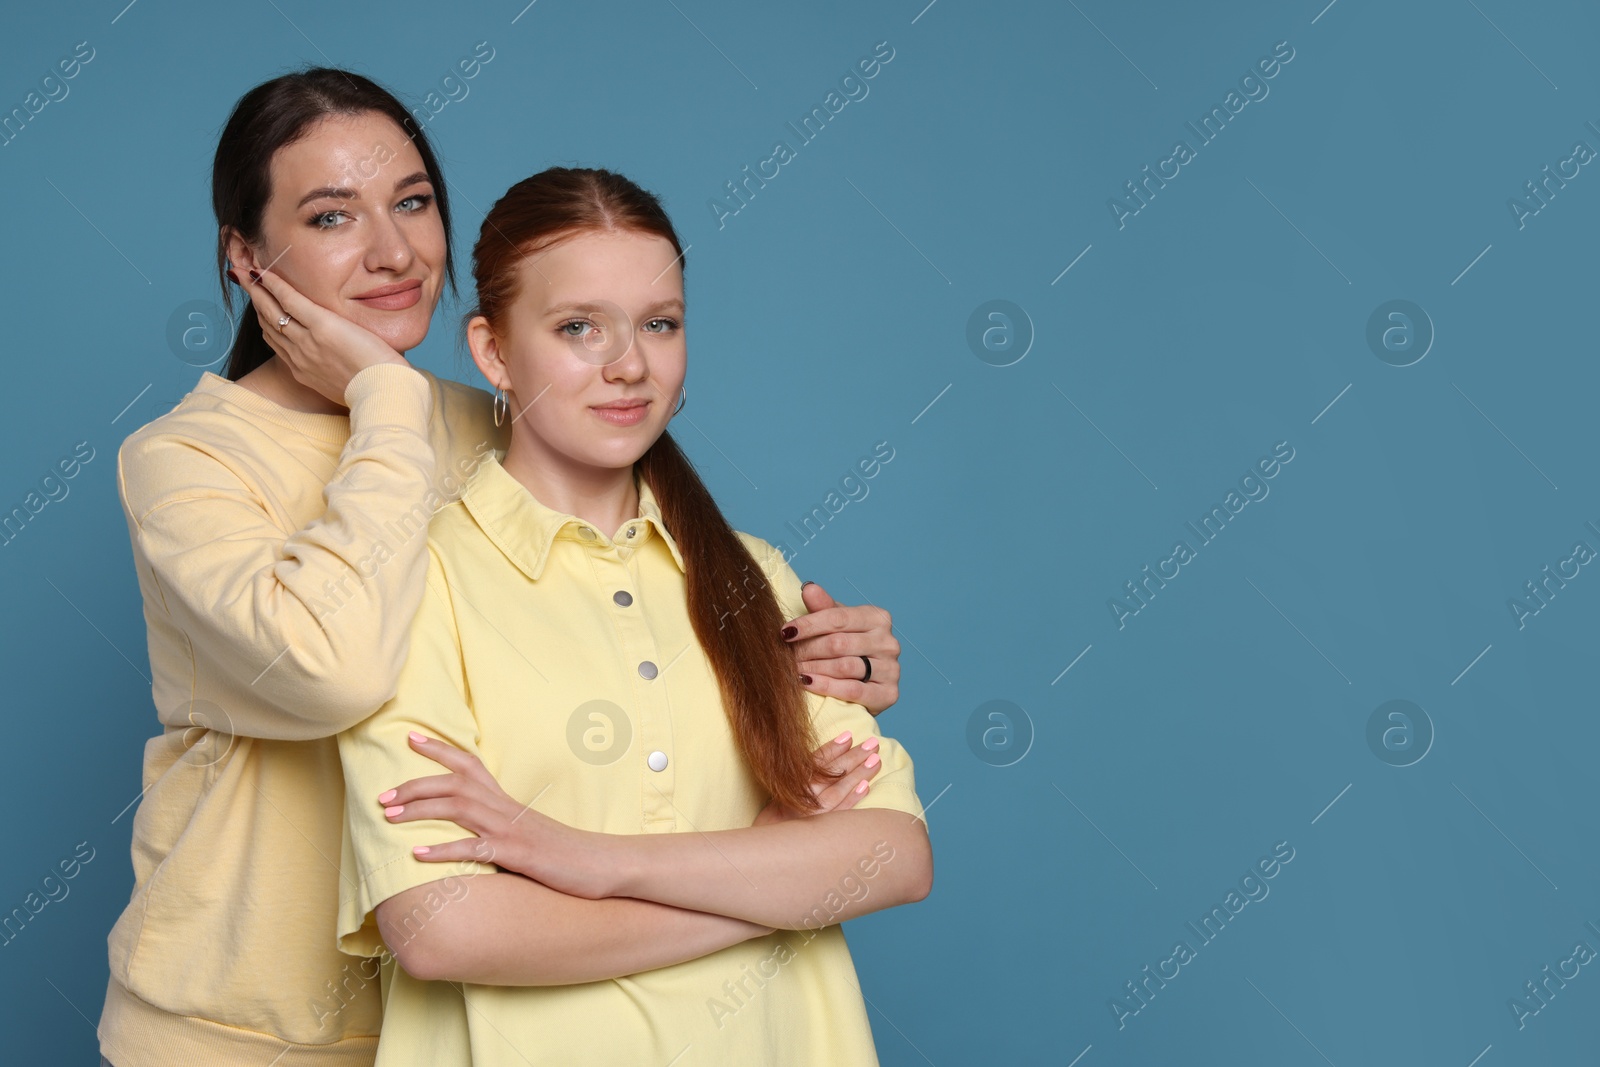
[
  {"x": 277, "y": 113},
  {"x": 735, "y": 614}
]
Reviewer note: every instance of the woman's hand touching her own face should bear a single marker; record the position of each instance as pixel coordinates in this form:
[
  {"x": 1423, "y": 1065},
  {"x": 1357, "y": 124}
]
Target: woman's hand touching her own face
[{"x": 322, "y": 349}]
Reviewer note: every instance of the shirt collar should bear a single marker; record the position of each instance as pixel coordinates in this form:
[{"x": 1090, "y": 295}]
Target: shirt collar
[{"x": 525, "y": 529}]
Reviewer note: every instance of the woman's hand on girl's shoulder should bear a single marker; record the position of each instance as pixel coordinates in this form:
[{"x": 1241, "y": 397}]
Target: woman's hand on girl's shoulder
[
  {"x": 834, "y": 643},
  {"x": 857, "y": 765}
]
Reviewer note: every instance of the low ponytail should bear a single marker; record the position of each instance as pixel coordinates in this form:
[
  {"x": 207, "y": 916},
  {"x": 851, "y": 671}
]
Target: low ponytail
[{"x": 737, "y": 619}]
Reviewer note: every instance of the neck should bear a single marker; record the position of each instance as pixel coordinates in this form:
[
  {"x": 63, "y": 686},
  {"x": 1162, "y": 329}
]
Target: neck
[
  {"x": 604, "y": 497},
  {"x": 274, "y": 381}
]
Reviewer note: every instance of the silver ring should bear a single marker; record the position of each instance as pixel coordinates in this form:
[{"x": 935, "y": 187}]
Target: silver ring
[{"x": 286, "y": 320}]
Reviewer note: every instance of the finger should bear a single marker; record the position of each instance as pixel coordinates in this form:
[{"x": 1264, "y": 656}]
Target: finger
[
  {"x": 467, "y": 848},
  {"x": 267, "y": 309},
  {"x": 829, "y": 749},
  {"x": 444, "y": 752},
  {"x": 874, "y": 696},
  {"x": 433, "y": 785},
  {"x": 488, "y": 794},
  {"x": 849, "y": 760},
  {"x": 869, "y": 695},
  {"x": 290, "y": 299},
  {"x": 879, "y": 698},
  {"x": 815, "y": 597},
  {"x": 464, "y": 813},
  {"x": 833, "y": 620},
  {"x": 855, "y": 784},
  {"x": 879, "y": 644},
  {"x": 845, "y": 668},
  {"x": 274, "y": 340},
  {"x": 859, "y": 757},
  {"x": 851, "y": 798}
]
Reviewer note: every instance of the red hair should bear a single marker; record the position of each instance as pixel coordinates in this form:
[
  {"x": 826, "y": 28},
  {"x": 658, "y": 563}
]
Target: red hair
[{"x": 735, "y": 619}]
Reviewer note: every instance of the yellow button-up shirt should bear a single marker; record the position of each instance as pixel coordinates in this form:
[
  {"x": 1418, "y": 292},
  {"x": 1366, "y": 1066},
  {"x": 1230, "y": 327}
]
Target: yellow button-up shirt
[{"x": 565, "y": 660}]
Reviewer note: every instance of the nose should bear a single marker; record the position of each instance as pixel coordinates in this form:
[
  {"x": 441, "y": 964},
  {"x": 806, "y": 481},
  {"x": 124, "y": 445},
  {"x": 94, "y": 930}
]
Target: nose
[
  {"x": 388, "y": 248},
  {"x": 631, "y": 365}
]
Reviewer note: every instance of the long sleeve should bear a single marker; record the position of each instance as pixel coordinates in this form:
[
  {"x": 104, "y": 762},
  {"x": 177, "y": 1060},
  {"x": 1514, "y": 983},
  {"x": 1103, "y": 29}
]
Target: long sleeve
[
  {"x": 295, "y": 633},
  {"x": 376, "y": 861}
]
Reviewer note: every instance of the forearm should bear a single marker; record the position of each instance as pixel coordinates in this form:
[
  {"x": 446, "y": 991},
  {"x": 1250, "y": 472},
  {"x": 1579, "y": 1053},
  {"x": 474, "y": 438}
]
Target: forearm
[
  {"x": 510, "y": 930},
  {"x": 299, "y": 633},
  {"x": 784, "y": 874}
]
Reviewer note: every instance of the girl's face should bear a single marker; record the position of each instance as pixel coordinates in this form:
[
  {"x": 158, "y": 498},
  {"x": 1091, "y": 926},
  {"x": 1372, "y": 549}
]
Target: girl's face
[
  {"x": 353, "y": 226},
  {"x": 592, "y": 351}
]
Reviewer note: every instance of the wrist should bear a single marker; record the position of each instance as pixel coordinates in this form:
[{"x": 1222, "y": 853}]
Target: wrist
[
  {"x": 388, "y": 394},
  {"x": 618, "y": 865}
]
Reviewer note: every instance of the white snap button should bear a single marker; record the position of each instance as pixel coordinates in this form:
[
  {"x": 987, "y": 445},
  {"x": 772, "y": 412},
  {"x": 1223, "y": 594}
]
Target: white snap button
[{"x": 658, "y": 761}]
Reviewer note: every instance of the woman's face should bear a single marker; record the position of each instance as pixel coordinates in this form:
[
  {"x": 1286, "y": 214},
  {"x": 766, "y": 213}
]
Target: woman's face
[
  {"x": 353, "y": 226},
  {"x": 593, "y": 351}
]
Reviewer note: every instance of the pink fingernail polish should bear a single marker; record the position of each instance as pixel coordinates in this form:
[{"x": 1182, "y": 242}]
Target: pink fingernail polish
[
  {"x": 418, "y": 738},
  {"x": 420, "y": 850},
  {"x": 873, "y": 760},
  {"x": 861, "y": 787},
  {"x": 384, "y": 798},
  {"x": 396, "y": 810},
  {"x": 871, "y": 742},
  {"x": 842, "y": 739}
]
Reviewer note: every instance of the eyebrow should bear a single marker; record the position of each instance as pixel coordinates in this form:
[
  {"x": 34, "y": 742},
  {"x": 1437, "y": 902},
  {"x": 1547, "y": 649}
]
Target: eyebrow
[
  {"x": 592, "y": 308},
  {"x": 340, "y": 192}
]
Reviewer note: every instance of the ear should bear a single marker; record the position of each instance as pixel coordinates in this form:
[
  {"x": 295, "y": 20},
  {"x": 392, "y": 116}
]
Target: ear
[
  {"x": 485, "y": 349},
  {"x": 241, "y": 256}
]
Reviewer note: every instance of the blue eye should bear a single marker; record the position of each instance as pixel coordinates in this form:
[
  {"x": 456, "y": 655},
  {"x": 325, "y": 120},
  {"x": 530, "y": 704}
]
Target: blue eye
[
  {"x": 583, "y": 327},
  {"x": 324, "y": 221},
  {"x": 661, "y": 326},
  {"x": 422, "y": 202}
]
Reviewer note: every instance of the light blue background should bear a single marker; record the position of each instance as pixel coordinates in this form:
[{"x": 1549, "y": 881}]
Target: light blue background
[{"x": 1226, "y": 316}]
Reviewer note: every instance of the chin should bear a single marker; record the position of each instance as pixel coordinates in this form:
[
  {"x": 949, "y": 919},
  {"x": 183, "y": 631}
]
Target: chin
[
  {"x": 401, "y": 333},
  {"x": 616, "y": 457}
]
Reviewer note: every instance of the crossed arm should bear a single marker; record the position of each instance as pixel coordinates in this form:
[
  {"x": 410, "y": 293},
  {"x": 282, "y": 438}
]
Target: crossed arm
[
  {"x": 552, "y": 904},
  {"x": 506, "y": 929},
  {"x": 576, "y": 906}
]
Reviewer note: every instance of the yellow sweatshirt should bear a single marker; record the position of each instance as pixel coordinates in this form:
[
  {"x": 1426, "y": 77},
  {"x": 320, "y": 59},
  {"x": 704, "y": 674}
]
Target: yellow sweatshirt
[{"x": 281, "y": 558}]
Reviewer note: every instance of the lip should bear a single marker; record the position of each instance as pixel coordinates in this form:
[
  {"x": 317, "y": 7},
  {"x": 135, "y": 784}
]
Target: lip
[
  {"x": 394, "y": 297},
  {"x": 628, "y": 412}
]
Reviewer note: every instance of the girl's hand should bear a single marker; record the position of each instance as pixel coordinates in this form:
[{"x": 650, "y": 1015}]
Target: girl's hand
[
  {"x": 829, "y": 643},
  {"x": 322, "y": 349},
  {"x": 860, "y": 765},
  {"x": 509, "y": 834}
]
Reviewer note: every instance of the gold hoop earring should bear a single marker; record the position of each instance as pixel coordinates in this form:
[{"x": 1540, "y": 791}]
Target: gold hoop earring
[
  {"x": 682, "y": 400},
  {"x": 502, "y": 406}
]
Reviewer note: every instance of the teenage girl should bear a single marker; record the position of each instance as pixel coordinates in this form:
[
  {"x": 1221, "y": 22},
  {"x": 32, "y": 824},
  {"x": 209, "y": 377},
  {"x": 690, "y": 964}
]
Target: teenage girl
[{"x": 645, "y": 747}]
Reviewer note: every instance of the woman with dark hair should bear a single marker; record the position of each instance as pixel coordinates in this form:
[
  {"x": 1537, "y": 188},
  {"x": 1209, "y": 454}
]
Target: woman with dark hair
[
  {"x": 278, "y": 518},
  {"x": 665, "y": 741}
]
